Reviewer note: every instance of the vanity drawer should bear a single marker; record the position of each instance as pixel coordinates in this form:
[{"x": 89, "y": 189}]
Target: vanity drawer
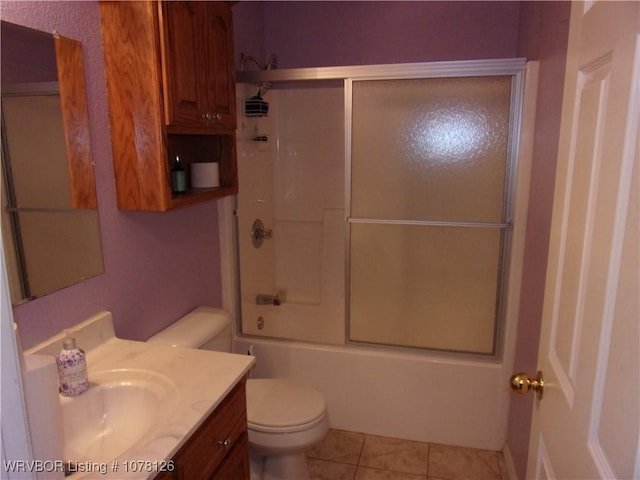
[{"x": 217, "y": 437}]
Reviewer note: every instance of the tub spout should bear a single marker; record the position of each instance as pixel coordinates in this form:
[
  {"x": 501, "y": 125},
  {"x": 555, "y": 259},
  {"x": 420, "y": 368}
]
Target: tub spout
[{"x": 263, "y": 299}]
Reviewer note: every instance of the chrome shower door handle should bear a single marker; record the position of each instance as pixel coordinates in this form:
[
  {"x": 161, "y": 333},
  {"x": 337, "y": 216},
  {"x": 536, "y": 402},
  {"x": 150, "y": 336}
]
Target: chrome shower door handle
[{"x": 259, "y": 233}]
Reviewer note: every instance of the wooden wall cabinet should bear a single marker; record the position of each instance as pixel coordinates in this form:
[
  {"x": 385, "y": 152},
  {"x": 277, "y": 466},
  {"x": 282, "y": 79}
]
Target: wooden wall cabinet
[
  {"x": 219, "y": 449},
  {"x": 197, "y": 43},
  {"x": 171, "y": 89}
]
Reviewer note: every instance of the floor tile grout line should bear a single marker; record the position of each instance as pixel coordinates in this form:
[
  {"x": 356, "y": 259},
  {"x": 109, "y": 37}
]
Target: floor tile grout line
[
  {"x": 364, "y": 440},
  {"x": 393, "y": 471},
  {"x": 428, "y": 458},
  {"x": 328, "y": 460}
]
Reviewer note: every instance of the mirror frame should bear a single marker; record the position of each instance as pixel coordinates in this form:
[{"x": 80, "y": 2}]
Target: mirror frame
[{"x": 75, "y": 117}]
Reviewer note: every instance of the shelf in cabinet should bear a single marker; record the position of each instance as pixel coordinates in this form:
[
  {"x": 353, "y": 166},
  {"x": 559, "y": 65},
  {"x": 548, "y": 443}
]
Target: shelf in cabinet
[
  {"x": 198, "y": 195},
  {"x": 204, "y": 148}
]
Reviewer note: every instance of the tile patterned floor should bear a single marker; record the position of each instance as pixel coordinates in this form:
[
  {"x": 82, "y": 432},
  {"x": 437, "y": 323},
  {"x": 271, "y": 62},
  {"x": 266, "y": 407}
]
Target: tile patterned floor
[{"x": 356, "y": 456}]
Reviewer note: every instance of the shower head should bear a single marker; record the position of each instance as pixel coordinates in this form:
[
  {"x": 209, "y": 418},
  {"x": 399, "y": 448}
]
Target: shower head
[{"x": 271, "y": 64}]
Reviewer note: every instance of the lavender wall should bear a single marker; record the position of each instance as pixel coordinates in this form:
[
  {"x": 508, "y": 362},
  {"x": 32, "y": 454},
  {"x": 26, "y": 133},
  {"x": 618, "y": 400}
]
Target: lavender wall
[
  {"x": 375, "y": 32},
  {"x": 307, "y": 34},
  {"x": 248, "y": 30},
  {"x": 157, "y": 266},
  {"x": 544, "y": 29}
]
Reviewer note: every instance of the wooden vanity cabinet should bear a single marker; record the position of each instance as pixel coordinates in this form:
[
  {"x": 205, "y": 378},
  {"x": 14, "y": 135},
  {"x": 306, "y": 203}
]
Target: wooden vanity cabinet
[
  {"x": 219, "y": 449},
  {"x": 171, "y": 91}
]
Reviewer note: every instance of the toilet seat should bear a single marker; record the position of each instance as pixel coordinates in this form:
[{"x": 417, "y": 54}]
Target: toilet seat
[{"x": 276, "y": 405}]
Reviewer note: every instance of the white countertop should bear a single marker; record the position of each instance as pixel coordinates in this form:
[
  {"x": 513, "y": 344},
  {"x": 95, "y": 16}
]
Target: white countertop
[{"x": 202, "y": 378}]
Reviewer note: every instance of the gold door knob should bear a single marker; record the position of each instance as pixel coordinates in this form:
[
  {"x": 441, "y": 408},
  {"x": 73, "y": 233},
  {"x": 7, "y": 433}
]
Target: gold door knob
[{"x": 521, "y": 383}]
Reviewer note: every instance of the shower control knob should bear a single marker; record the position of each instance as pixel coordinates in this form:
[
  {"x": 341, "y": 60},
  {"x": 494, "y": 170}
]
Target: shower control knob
[
  {"x": 521, "y": 383},
  {"x": 259, "y": 233}
]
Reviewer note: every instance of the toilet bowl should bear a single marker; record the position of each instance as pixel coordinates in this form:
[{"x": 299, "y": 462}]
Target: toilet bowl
[{"x": 284, "y": 418}]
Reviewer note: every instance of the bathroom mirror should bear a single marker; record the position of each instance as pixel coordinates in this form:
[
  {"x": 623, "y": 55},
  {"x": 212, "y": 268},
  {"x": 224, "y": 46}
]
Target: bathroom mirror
[{"x": 50, "y": 227}]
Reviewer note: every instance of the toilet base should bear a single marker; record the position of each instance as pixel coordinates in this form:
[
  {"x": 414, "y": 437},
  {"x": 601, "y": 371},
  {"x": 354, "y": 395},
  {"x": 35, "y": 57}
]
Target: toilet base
[{"x": 289, "y": 466}]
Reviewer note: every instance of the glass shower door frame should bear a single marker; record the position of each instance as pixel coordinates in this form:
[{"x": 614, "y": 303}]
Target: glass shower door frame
[
  {"x": 514, "y": 67},
  {"x": 507, "y": 67}
]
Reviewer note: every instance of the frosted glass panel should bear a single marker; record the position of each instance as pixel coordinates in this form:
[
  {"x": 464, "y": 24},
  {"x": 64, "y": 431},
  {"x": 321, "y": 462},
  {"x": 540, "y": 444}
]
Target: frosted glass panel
[
  {"x": 425, "y": 151},
  {"x": 430, "y": 149},
  {"x": 39, "y": 169},
  {"x": 420, "y": 286}
]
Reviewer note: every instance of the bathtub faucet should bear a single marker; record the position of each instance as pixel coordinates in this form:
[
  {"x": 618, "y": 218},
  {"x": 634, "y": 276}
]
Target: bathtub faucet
[{"x": 263, "y": 299}]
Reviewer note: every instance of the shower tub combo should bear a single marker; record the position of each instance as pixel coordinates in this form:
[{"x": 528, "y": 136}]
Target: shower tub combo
[{"x": 376, "y": 242}]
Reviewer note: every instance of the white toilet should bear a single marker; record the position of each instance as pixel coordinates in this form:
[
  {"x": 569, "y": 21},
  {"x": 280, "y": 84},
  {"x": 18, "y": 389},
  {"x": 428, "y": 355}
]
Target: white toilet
[{"x": 284, "y": 417}]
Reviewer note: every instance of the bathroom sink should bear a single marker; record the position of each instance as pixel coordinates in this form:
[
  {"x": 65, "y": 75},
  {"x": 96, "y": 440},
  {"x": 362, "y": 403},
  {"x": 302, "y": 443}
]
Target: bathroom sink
[{"x": 119, "y": 409}]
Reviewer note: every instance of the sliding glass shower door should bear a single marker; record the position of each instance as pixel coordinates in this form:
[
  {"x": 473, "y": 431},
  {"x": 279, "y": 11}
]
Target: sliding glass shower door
[
  {"x": 430, "y": 166},
  {"x": 387, "y": 192}
]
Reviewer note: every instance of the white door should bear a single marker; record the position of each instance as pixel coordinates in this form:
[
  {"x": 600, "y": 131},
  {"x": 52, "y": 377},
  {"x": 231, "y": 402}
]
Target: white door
[{"x": 587, "y": 425}]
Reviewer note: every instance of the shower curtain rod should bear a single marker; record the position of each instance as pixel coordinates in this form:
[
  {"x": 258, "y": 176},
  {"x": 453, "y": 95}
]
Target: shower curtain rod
[{"x": 502, "y": 66}]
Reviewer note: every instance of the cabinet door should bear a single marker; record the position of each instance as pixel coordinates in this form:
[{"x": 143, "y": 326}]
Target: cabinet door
[
  {"x": 184, "y": 49},
  {"x": 220, "y": 65},
  {"x": 207, "y": 448},
  {"x": 236, "y": 465}
]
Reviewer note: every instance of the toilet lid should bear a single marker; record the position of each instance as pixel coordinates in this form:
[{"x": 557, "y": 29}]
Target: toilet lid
[{"x": 278, "y": 405}]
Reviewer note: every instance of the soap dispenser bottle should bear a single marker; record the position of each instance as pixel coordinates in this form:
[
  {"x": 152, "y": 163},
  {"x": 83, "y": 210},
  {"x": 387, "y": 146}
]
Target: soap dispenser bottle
[
  {"x": 72, "y": 369},
  {"x": 178, "y": 178}
]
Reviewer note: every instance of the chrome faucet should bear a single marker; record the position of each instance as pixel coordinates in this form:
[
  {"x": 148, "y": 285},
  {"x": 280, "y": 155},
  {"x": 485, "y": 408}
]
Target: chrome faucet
[{"x": 263, "y": 299}]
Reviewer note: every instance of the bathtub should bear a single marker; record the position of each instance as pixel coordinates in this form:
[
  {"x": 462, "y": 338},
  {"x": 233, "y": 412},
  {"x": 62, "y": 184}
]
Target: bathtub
[{"x": 414, "y": 396}]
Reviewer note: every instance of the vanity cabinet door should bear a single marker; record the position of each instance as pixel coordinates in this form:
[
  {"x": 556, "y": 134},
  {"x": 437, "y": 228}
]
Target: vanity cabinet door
[
  {"x": 236, "y": 464},
  {"x": 219, "y": 448},
  {"x": 197, "y": 45}
]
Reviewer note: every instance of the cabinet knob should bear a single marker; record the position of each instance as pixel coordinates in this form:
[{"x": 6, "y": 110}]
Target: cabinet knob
[
  {"x": 208, "y": 117},
  {"x": 226, "y": 443}
]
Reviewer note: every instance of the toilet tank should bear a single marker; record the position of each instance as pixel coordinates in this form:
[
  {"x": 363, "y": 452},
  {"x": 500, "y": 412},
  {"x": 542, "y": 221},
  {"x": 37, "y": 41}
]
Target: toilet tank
[{"x": 206, "y": 328}]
